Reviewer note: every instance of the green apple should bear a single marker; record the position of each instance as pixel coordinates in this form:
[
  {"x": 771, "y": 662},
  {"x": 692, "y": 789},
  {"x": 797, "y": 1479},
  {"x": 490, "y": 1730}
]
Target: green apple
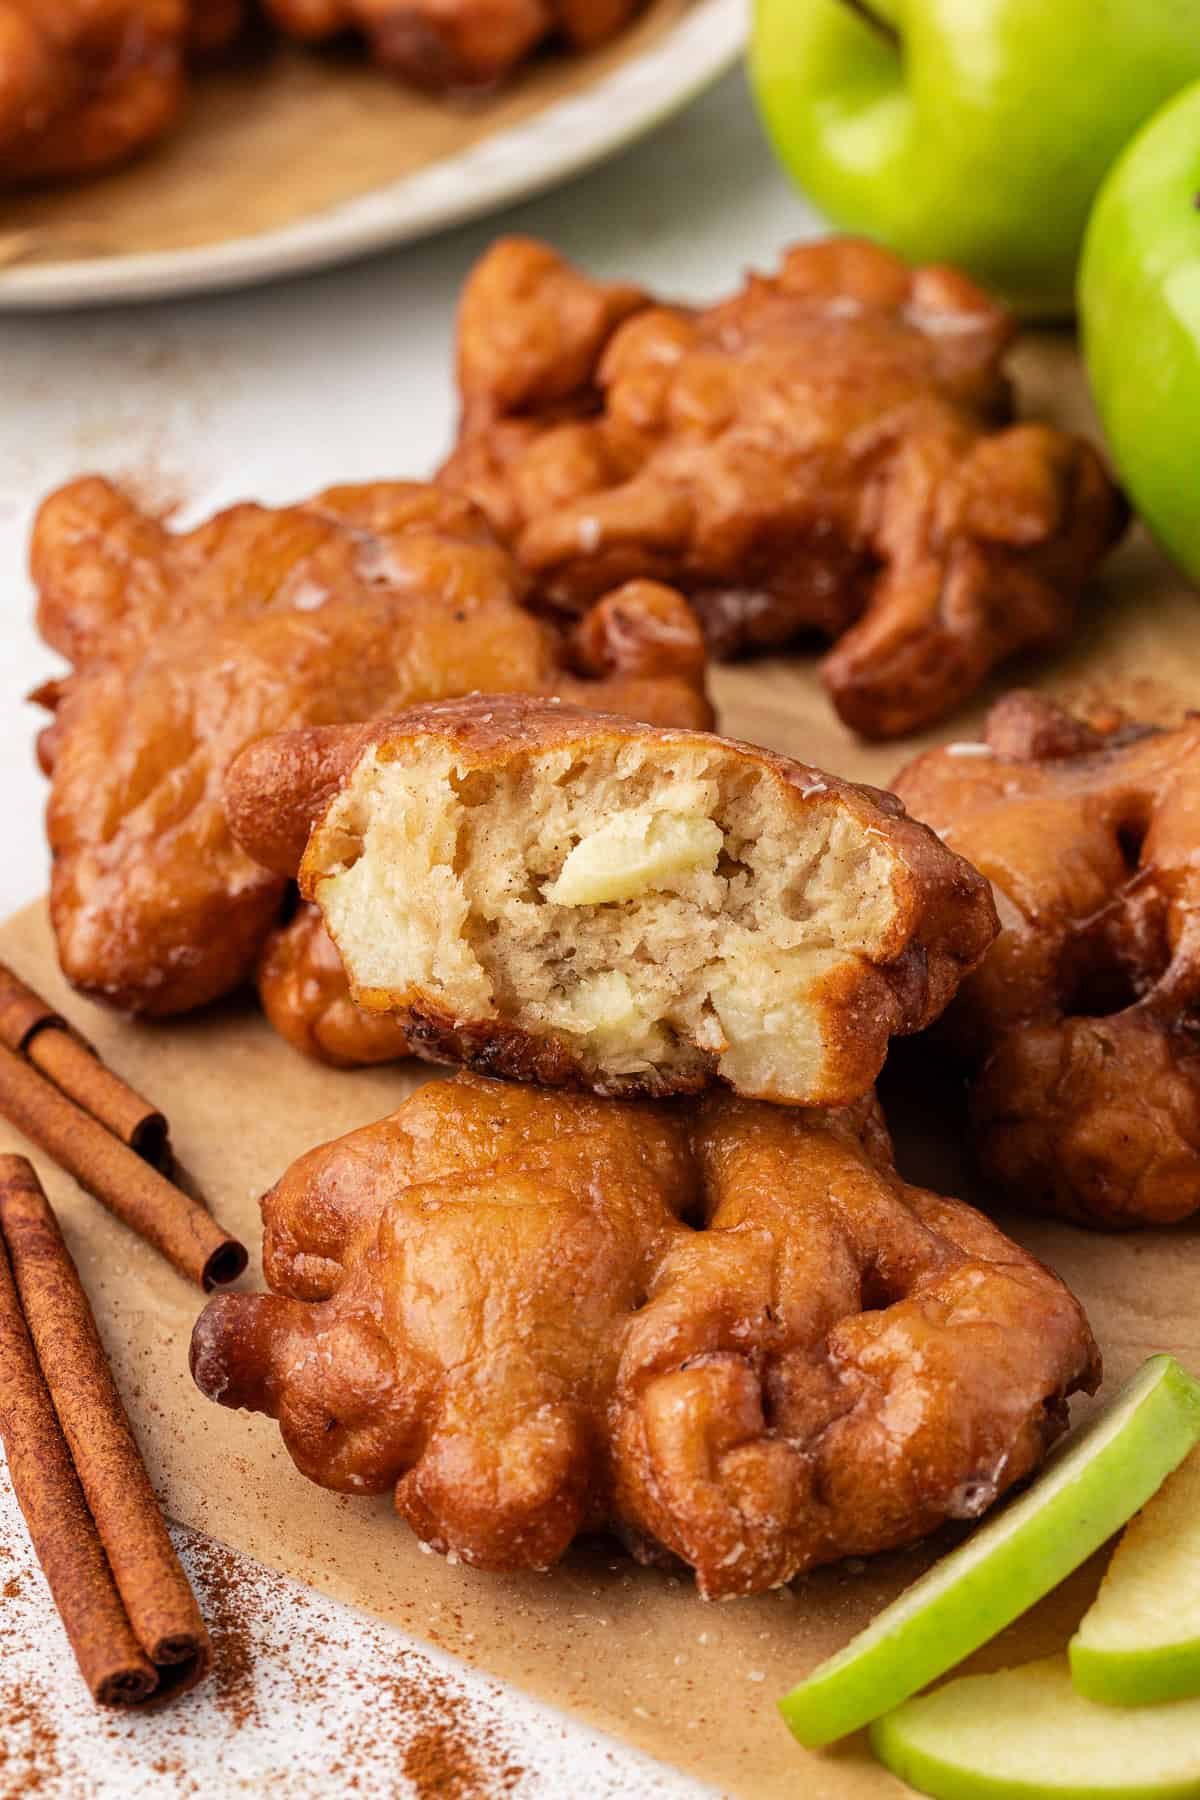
[
  {"x": 973, "y": 132},
  {"x": 1026, "y": 1734},
  {"x": 1139, "y": 1642},
  {"x": 1094, "y": 1482},
  {"x": 1139, "y": 304}
]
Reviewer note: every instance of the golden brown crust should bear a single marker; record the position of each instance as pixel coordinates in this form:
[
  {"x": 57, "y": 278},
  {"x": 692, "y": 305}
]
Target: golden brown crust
[
  {"x": 213, "y": 25},
  {"x": 279, "y": 789},
  {"x": 190, "y": 646},
  {"x": 85, "y": 84},
  {"x": 448, "y": 44},
  {"x": 1083, "y": 1021},
  {"x": 532, "y": 331},
  {"x": 823, "y": 452},
  {"x": 491, "y": 1303}
]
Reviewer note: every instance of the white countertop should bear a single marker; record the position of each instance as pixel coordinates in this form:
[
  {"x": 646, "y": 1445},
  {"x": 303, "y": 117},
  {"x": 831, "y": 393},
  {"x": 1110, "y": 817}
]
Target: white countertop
[{"x": 273, "y": 393}]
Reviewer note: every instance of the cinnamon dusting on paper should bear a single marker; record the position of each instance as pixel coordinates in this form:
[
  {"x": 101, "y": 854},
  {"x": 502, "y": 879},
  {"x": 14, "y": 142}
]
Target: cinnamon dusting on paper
[
  {"x": 445, "y": 1747},
  {"x": 29, "y": 1751},
  {"x": 439, "y": 1762},
  {"x": 360, "y": 1705},
  {"x": 228, "y": 1602}
]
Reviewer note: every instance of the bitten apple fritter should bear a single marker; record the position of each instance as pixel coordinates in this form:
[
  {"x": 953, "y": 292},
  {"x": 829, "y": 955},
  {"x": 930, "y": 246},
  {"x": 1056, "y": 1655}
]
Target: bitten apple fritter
[
  {"x": 86, "y": 83},
  {"x": 827, "y": 451},
  {"x": 1083, "y": 1021},
  {"x": 187, "y": 647},
  {"x": 441, "y": 44},
  {"x": 727, "y": 1331},
  {"x": 567, "y": 897}
]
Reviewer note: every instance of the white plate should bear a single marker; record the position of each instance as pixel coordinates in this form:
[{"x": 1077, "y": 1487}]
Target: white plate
[{"x": 565, "y": 138}]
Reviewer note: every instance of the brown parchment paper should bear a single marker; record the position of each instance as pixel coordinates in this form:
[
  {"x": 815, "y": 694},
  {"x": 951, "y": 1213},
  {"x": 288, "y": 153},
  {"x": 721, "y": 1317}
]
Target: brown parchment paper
[
  {"x": 285, "y": 135},
  {"x": 632, "y": 1650}
]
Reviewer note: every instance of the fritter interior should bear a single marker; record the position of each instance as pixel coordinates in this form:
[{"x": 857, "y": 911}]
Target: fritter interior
[{"x": 654, "y": 905}]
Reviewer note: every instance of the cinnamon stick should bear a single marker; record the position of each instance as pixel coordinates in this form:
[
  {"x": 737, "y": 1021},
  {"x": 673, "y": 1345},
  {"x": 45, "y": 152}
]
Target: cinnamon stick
[
  {"x": 30, "y": 1025},
  {"x": 63, "y": 1531},
  {"x": 183, "y": 1230},
  {"x": 158, "y": 1603}
]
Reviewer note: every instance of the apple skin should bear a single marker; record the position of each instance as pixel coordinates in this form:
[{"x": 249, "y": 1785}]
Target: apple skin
[
  {"x": 1139, "y": 304},
  {"x": 1095, "y": 1481},
  {"x": 1025, "y": 1734},
  {"x": 974, "y": 132},
  {"x": 1140, "y": 1677},
  {"x": 1138, "y": 1644}
]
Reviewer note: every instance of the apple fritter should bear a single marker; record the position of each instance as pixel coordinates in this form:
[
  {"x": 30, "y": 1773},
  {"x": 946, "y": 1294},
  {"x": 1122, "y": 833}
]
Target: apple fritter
[
  {"x": 1082, "y": 1023},
  {"x": 446, "y": 44},
  {"x": 85, "y": 84},
  {"x": 829, "y": 451},
  {"x": 571, "y": 898},
  {"x": 187, "y": 647},
  {"x": 726, "y": 1331},
  {"x": 214, "y": 25}
]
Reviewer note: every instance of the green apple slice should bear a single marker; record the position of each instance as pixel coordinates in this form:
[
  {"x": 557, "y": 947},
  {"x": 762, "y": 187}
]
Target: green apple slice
[
  {"x": 1026, "y": 1734},
  {"x": 1095, "y": 1480},
  {"x": 1140, "y": 1641}
]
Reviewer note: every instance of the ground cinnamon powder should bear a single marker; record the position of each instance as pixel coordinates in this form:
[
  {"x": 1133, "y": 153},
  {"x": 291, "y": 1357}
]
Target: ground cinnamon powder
[
  {"x": 24, "y": 1718},
  {"x": 446, "y": 1750},
  {"x": 29, "y": 1758},
  {"x": 311, "y": 1692}
]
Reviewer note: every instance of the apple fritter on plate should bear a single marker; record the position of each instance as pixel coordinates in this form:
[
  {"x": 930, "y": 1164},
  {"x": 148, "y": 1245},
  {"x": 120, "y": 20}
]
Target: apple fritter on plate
[
  {"x": 568, "y": 897},
  {"x": 828, "y": 451},
  {"x": 727, "y": 1331},
  {"x": 85, "y": 84},
  {"x": 1082, "y": 1023},
  {"x": 447, "y": 44},
  {"x": 187, "y": 647}
]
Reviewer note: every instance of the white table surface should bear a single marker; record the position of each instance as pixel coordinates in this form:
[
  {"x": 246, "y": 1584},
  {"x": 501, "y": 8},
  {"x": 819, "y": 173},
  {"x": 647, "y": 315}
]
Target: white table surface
[{"x": 273, "y": 393}]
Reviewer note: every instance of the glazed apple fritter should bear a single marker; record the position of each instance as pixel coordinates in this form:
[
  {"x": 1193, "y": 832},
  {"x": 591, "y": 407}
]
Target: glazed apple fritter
[
  {"x": 445, "y": 44},
  {"x": 214, "y": 25},
  {"x": 1082, "y": 1024},
  {"x": 726, "y": 1331},
  {"x": 829, "y": 451},
  {"x": 85, "y": 84},
  {"x": 187, "y": 647},
  {"x": 566, "y": 897}
]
